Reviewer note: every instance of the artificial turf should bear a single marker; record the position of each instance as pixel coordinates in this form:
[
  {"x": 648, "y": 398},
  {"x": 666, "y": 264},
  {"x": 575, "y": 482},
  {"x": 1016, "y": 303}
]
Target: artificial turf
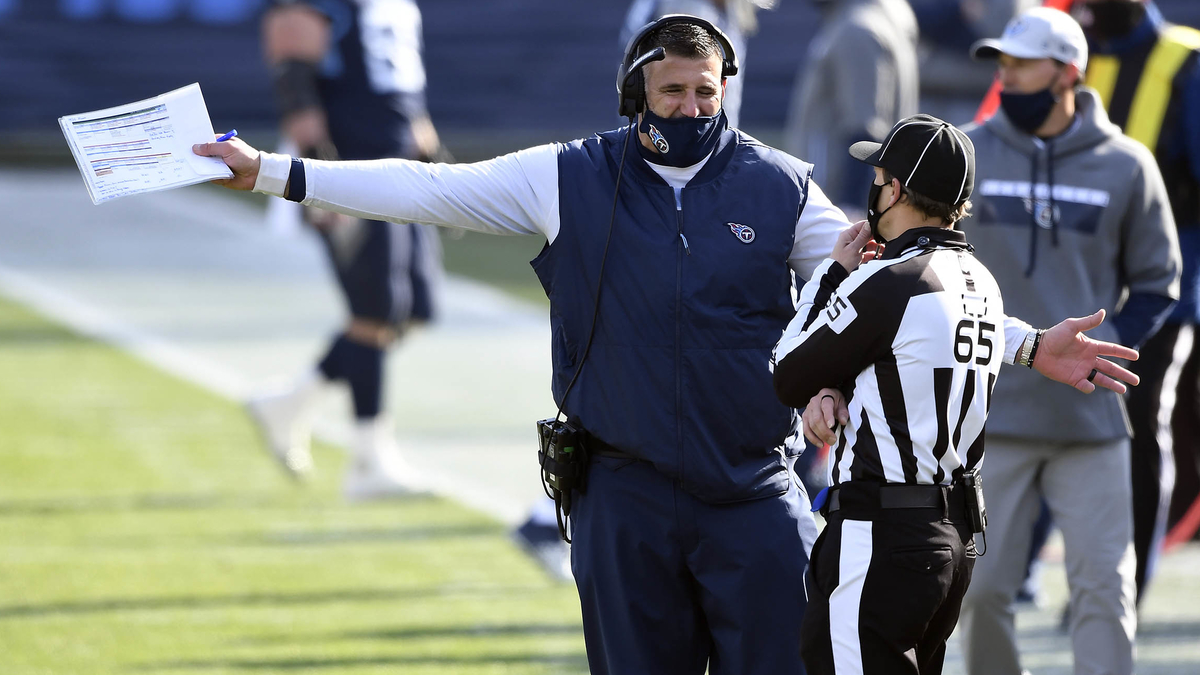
[{"x": 143, "y": 530}]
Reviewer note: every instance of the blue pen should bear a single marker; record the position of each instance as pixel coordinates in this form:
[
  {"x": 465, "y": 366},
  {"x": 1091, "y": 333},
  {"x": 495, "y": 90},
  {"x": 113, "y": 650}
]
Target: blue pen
[{"x": 224, "y": 137}]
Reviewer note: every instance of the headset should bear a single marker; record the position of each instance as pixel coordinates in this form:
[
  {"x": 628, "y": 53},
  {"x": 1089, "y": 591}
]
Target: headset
[{"x": 631, "y": 82}]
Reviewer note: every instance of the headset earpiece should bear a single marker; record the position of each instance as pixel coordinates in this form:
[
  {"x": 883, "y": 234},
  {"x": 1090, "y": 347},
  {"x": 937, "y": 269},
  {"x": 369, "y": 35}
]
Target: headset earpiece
[
  {"x": 633, "y": 93},
  {"x": 631, "y": 81}
]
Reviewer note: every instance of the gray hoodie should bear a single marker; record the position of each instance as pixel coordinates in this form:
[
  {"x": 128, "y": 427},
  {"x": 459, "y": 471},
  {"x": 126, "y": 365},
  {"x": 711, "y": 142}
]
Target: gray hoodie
[{"x": 1099, "y": 227}]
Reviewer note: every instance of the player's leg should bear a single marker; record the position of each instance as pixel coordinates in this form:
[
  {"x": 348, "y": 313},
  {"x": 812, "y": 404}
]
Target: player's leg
[
  {"x": 987, "y": 618},
  {"x": 639, "y": 601},
  {"x": 376, "y": 271},
  {"x": 1185, "y": 427},
  {"x": 1088, "y": 489},
  {"x": 1152, "y": 469},
  {"x": 285, "y": 418}
]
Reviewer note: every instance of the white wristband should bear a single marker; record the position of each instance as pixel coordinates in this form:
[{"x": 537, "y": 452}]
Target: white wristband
[{"x": 273, "y": 173}]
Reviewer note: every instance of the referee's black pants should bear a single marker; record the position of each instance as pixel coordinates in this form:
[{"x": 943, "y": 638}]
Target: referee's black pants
[{"x": 885, "y": 585}]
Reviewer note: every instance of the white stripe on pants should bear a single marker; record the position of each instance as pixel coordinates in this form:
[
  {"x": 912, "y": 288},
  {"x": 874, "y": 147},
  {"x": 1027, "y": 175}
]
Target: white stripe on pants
[{"x": 853, "y": 562}]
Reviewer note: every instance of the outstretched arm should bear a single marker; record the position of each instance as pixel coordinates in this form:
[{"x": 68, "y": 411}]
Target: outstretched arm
[
  {"x": 1067, "y": 355},
  {"x": 513, "y": 194}
]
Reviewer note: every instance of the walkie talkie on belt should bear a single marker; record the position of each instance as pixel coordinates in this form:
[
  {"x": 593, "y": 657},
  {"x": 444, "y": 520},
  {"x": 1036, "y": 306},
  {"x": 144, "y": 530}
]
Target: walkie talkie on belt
[
  {"x": 976, "y": 508},
  {"x": 563, "y": 461},
  {"x": 972, "y": 483}
]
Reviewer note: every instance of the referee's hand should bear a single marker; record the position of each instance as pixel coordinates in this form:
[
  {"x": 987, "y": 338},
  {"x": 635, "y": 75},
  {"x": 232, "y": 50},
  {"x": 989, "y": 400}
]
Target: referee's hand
[
  {"x": 242, "y": 159},
  {"x": 850, "y": 249},
  {"x": 1067, "y": 355},
  {"x": 821, "y": 416}
]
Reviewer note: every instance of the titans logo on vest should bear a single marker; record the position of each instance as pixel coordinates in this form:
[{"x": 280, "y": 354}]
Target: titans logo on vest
[
  {"x": 743, "y": 232},
  {"x": 659, "y": 142}
]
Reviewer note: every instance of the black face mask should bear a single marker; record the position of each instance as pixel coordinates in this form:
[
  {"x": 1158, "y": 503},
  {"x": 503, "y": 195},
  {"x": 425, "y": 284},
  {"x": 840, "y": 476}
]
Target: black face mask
[
  {"x": 873, "y": 212},
  {"x": 1114, "y": 19},
  {"x": 1028, "y": 112},
  {"x": 681, "y": 141}
]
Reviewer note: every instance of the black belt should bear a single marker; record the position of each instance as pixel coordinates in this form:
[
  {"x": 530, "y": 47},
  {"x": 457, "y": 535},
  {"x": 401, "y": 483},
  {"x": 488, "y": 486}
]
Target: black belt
[{"x": 900, "y": 497}]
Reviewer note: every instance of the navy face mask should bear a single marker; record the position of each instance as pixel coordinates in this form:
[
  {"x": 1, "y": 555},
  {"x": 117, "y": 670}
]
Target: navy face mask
[
  {"x": 681, "y": 141},
  {"x": 1028, "y": 112}
]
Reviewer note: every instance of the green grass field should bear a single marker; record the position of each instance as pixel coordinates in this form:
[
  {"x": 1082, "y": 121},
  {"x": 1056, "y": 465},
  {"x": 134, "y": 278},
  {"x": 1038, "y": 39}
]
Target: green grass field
[{"x": 143, "y": 530}]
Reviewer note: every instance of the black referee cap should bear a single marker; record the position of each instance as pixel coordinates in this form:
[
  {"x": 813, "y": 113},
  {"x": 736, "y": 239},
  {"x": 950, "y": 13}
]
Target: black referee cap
[{"x": 929, "y": 156}]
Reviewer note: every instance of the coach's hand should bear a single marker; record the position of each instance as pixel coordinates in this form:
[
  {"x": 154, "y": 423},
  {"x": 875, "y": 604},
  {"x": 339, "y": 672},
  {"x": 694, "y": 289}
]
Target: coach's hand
[
  {"x": 850, "y": 248},
  {"x": 824, "y": 411},
  {"x": 242, "y": 159},
  {"x": 1067, "y": 355}
]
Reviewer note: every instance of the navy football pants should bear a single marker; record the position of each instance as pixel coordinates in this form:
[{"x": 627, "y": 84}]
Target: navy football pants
[
  {"x": 670, "y": 584},
  {"x": 386, "y": 270}
]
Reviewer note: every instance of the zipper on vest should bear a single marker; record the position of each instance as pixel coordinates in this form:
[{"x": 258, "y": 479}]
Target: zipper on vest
[
  {"x": 679, "y": 219},
  {"x": 679, "y": 331}
]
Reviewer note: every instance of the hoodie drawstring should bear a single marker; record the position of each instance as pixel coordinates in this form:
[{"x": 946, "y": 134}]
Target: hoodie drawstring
[
  {"x": 1033, "y": 204},
  {"x": 1033, "y": 208},
  {"x": 1050, "y": 180}
]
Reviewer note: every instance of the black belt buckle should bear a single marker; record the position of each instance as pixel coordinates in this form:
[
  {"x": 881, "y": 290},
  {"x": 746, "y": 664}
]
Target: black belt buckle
[{"x": 972, "y": 483}]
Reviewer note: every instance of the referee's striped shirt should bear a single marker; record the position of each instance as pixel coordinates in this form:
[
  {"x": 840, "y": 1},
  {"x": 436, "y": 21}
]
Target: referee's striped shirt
[{"x": 915, "y": 340}]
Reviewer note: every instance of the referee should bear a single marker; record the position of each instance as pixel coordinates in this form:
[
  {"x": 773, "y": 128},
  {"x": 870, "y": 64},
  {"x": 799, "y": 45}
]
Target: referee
[{"x": 915, "y": 340}]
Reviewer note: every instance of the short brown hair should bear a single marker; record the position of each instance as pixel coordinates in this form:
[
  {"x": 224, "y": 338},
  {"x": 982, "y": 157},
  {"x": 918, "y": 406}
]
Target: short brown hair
[
  {"x": 686, "y": 40},
  {"x": 948, "y": 213}
]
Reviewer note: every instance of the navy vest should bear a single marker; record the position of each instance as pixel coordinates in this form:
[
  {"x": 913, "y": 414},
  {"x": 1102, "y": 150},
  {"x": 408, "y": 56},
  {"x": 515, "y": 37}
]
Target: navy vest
[{"x": 694, "y": 300}]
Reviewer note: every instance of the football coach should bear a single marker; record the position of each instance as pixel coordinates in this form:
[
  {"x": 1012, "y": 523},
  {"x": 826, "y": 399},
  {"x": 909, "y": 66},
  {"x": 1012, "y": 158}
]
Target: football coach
[{"x": 672, "y": 246}]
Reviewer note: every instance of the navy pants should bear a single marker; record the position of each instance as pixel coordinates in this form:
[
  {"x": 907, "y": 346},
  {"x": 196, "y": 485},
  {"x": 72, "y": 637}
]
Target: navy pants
[{"x": 671, "y": 585}]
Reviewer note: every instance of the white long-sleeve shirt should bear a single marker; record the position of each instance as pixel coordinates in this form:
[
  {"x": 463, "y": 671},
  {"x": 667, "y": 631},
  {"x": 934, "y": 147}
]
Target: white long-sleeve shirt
[{"x": 515, "y": 194}]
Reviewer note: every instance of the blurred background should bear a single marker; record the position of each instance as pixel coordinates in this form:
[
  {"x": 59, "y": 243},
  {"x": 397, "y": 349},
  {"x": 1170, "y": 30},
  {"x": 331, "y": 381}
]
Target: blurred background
[{"x": 142, "y": 525}]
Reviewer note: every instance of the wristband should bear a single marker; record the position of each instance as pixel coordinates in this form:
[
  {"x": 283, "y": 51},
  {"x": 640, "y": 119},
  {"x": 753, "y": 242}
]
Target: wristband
[
  {"x": 296, "y": 188},
  {"x": 1037, "y": 341}
]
